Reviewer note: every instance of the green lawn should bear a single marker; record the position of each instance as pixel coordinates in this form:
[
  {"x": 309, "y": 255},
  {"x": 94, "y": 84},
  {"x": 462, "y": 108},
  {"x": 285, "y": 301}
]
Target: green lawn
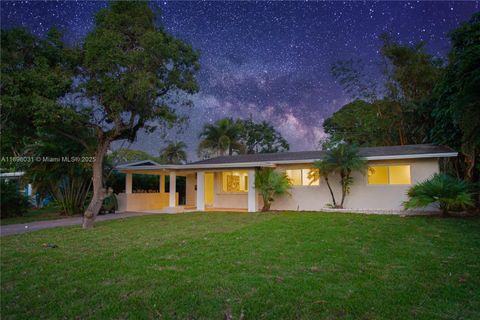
[
  {"x": 47, "y": 213},
  {"x": 264, "y": 266}
]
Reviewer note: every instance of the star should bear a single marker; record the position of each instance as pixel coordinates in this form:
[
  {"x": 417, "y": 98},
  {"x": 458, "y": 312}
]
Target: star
[{"x": 271, "y": 60}]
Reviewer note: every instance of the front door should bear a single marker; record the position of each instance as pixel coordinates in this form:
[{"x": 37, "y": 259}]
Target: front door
[{"x": 209, "y": 189}]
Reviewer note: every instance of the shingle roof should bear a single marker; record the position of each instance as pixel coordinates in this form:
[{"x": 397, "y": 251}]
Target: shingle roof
[{"x": 414, "y": 149}]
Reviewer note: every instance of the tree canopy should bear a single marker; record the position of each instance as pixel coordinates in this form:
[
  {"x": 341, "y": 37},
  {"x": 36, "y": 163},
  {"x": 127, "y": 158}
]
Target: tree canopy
[
  {"x": 174, "y": 153},
  {"x": 261, "y": 137},
  {"x": 35, "y": 74},
  {"x": 228, "y": 136},
  {"x": 134, "y": 74},
  {"x": 221, "y": 138},
  {"x": 422, "y": 99},
  {"x": 456, "y": 98}
]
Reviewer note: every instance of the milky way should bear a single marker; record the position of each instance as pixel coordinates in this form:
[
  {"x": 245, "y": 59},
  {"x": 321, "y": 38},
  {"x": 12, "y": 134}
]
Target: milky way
[{"x": 270, "y": 61}]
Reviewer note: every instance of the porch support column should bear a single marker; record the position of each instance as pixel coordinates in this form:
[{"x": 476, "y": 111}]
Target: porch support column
[
  {"x": 200, "y": 191},
  {"x": 128, "y": 183},
  {"x": 252, "y": 198},
  {"x": 173, "y": 188},
  {"x": 162, "y": 183}
]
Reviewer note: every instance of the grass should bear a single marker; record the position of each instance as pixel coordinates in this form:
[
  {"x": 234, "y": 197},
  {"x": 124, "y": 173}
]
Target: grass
[
  {"x": 51, "y": 212},
  {"x": 255, "y": 266}
]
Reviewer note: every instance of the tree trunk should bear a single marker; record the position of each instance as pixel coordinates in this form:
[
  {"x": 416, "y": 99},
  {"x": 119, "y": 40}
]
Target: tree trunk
[
  {"x": 343, "y": 177},
  {"x": 266, "y": 202},
  {"x": 444, "y": 210},
  {"x": 331, "y": 192},
  {"x": 97, "y": 183}
]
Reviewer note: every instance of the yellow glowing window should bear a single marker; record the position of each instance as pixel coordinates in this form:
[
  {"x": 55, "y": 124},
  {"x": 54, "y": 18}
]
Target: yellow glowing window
[
  {"x": 378, "y": 175},
  {"x": 235, "y": 181},
  {"x": 303, "y": 177},
  {"x": 399, "y": 174},
  {"x": 310, "y": 177},
  {"x": 295, "y": 177},
  {"x": 389, "y": 174}
]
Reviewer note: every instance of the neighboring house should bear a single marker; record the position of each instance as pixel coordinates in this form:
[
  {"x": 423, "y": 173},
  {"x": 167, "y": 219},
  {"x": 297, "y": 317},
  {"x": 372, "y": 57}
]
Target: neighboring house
[
  {"x": 227, "y": 182},
  {"x": 23, "y": 186},
  {"x": 18, "y": 179}
]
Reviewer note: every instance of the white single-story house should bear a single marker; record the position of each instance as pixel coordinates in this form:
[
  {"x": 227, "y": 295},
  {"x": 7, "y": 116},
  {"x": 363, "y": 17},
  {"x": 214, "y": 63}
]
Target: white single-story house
[{"x": 227, "y": 182}]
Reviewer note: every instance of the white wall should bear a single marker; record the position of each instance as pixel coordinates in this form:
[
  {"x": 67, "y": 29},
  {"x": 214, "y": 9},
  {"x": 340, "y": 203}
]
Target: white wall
[
  {"x": 362, "y": 195},
  {"x": 143, "y": 201},
  {"x": 237, "y": 200},
  {"x": 191, "y": 193}
]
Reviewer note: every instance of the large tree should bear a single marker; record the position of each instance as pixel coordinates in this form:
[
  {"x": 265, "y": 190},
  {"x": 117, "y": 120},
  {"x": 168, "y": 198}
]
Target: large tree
[
  {"x": 35, "y": 73},
  {"x": 174, "y": 153},
  {"x": 399, "y": 113},
  {"x": 456, "y": 99},
  {"x": 126, "y": 155},
  {"x": 221, "y": 138},
  {"x": 134, "y": 72},
  {"x": 261, "y": 137},
  {"x": 361, "y": 123}
]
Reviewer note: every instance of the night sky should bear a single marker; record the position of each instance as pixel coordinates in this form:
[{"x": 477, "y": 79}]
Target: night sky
[{"x": 268, "y": 60}]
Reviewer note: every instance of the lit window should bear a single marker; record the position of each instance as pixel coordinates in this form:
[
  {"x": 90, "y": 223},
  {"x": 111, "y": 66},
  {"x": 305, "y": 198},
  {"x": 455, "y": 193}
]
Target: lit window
[
  {"x": 295, "y": 177},
  {"x": 235, "y": 181},
  {"x": 399, "y": 174},
  {"x": 378, "y": 175},
  {"x": 310, "y": 177},
  {"x": 304, "y": 177},
  {"x": 389, "y": 174}
]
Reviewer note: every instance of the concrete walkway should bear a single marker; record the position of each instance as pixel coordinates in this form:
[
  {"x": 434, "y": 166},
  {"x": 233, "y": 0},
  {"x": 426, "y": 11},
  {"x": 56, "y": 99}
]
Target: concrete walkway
[{"x": 10, "y": 229}]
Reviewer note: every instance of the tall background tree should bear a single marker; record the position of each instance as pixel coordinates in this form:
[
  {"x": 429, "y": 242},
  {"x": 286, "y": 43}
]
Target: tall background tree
[
  {"x": 221, "y": 138},
  {"x": 423, "y": 100},
  {"x": 395, "y": 112},
  {"x": 123, "y": 155},
  {"x": 134, "y": 73},
  {"x": 228, "y": 136},
  {"x": 261, "y": 137},
  {"x": 174, "y": 153},
  {"x": 35, "y": 74},
  {"x": 456, "y": 99}
]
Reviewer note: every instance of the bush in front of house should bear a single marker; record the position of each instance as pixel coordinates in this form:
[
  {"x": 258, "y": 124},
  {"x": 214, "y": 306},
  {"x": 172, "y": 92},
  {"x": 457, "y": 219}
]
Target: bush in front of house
[
  {"x": 271, "y": 183},
  {"x": 446, "y": 191},
  {"x": 13, "y": 203},
  {"x": 110, "y": 204}
]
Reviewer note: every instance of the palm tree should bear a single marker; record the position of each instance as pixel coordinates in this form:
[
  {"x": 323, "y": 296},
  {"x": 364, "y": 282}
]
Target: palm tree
[
  {"x": 342, "y": 159},
  {"x": 324, "y": 170},
  {"x": 174, "y": 153},
  {"x": 271, "y": 183},
  {"x": 222, "y": 137},
  {"x": 447, "y": 191}
]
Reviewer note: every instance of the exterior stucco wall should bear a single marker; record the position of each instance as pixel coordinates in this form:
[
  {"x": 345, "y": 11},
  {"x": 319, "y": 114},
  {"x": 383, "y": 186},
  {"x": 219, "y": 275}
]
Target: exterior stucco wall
[
  {"x": 362, "y": 195},
  {"x": 237, "y": 200},
  {"x": 190, "y": 192},
  {"x": 143, "y": 201}
]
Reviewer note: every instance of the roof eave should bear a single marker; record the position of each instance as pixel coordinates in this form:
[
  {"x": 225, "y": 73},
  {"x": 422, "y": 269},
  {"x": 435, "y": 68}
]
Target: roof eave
[{"x": 274, "y": 163}]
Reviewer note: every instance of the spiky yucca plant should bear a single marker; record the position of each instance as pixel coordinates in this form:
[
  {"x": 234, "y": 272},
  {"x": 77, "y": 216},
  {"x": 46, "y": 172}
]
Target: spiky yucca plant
[
  {"x": 447, "y": 191},
  {"x": 271, "y": 183}
]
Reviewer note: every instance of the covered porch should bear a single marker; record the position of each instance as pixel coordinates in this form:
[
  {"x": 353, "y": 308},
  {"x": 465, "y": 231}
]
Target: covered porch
[{"x": 206, "y": 189}]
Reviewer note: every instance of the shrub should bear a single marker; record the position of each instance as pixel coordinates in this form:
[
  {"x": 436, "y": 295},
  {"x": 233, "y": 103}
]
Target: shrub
[
  {"x": 271, "y": 183},
  {"x": 342, "y": 159},
  {"x": 13, "y": 203},
  {"x": 446, "y": 191},
  {"x": 110, "y": 204}
]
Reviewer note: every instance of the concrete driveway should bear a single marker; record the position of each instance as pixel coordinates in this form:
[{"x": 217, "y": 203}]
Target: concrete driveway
[{"x": 10, "y": 229}]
